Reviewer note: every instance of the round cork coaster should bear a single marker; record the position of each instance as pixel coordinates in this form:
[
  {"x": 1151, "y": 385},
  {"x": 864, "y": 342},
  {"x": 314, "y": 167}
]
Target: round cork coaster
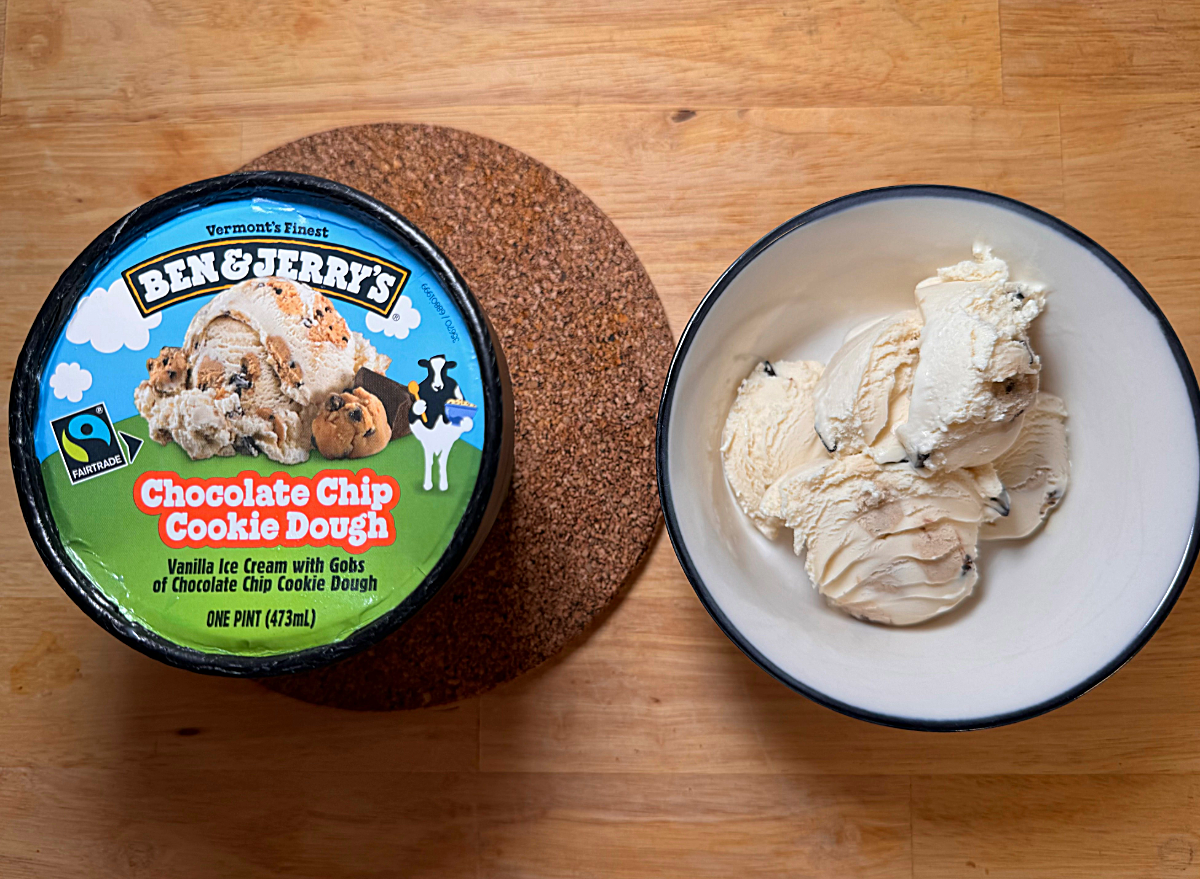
[{"x": 588, "y": 347}]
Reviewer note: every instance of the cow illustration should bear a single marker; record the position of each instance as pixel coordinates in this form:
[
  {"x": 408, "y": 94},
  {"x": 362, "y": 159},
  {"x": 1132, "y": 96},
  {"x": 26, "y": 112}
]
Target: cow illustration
[{"x": 428, "y": 420}]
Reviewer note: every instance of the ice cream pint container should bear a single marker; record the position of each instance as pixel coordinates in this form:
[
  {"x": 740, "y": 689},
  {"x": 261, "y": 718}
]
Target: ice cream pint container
[{"x": 258, "y": 423}]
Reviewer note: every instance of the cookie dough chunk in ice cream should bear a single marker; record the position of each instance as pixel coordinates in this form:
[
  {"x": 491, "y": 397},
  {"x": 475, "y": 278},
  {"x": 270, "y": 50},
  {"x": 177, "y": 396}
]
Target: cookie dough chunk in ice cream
[
  {"x": 768, "y": 432},
  {"x": 884, "y": 544},
  {"x": 977, "y": 373},
  {"x": 256, "y": 365}
]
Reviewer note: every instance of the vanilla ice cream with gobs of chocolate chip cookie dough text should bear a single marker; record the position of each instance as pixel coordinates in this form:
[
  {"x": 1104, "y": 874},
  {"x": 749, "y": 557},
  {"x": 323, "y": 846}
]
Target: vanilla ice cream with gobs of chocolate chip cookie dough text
[{"x": 926, "y": 432}]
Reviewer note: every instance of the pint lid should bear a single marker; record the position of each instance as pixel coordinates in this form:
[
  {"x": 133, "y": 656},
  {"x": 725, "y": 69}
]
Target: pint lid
[{"x": 257, "y": 424}]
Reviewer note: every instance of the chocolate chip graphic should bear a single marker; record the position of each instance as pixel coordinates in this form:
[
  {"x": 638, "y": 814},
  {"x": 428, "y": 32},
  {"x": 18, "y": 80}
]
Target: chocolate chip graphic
[
  {"x": 246, "y": 445},
  {"x": 335, "y": 403},
  {"x": 356, "y": 415},
  {"x": 394, "y": 396}
]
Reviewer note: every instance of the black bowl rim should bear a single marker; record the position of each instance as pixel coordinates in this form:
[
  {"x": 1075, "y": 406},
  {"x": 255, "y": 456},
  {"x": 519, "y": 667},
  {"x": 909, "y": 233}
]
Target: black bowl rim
[
  {"x": 52, "y": 318},
  {"x": 710, "y": 604}
]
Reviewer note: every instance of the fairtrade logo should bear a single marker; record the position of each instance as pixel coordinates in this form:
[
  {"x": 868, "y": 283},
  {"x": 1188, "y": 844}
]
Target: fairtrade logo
[
  {"x": 84, "y": 427},
  {"x": 88, "y": 443}
]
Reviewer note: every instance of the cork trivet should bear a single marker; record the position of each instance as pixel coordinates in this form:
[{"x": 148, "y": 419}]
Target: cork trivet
[{"x": 588, "y": 347}]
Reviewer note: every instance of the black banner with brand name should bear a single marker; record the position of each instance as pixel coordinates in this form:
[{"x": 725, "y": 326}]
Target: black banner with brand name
[{"x": 338, "y": 272}]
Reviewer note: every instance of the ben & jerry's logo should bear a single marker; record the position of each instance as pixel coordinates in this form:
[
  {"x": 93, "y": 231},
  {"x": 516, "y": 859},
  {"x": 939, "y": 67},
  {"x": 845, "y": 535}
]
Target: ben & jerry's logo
[
  {"x": 88, "y": 443},
  {"x": 338, "y": 272}
]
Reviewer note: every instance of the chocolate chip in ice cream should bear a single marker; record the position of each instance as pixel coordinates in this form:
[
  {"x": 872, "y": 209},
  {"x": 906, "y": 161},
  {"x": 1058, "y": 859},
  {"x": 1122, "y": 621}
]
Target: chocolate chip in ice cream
[{"x": 246, "y": 446}]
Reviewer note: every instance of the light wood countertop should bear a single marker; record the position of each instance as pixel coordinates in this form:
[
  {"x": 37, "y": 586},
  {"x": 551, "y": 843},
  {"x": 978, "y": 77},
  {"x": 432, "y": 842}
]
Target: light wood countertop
[{"x": 652, "y": 748}]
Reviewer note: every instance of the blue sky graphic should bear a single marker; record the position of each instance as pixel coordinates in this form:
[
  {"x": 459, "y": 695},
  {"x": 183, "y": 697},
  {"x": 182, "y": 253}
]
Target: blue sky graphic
[{"x": 114, "y": 376}]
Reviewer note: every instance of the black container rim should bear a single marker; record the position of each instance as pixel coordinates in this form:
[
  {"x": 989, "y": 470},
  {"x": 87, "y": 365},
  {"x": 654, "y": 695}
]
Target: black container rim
[
  {"x": 744, "y": 643},
  {"x": 52, "y": 319}
]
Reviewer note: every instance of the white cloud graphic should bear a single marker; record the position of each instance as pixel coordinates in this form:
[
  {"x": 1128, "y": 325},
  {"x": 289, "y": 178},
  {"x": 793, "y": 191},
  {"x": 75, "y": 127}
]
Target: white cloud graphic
[
  {"x": 404, "y": 319},
  {"x": 109, "y": 320},
  {"x": 70, "y": 381}
]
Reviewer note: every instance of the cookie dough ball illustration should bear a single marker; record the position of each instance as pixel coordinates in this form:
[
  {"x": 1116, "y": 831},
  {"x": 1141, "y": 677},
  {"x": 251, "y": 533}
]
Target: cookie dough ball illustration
[
  {"x": 352, "y": 424},
  {"x": 260, "y": 360},
  {"x": 168, "y": 371}
]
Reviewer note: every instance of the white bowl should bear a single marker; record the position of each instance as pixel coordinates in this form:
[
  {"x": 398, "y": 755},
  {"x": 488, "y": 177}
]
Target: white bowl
[{"x": 1053, "y": 614}]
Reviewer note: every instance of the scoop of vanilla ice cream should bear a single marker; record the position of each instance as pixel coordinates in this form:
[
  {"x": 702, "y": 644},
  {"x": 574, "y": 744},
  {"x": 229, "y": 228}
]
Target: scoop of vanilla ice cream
[
  {"x": 262, "y": 358},
  {"x": 863, "y": 394},
  {"x": 299, "y": 334},
  {"x": 1034, "y": 470},
  {"x": 769, "y": 431},
  {"x": 883, "y": 543},
  {"x": 977, "y": 373}
]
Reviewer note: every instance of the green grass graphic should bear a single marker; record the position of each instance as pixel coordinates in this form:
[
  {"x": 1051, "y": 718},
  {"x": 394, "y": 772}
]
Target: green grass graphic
[{"x": 119, "y": 548}]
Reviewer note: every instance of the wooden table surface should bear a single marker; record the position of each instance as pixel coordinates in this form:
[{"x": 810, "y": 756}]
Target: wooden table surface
[{"x": 652, "y": 747}]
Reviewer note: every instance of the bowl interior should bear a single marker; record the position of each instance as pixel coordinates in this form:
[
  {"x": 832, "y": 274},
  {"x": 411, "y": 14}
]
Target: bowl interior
[{"x": 1052, "y": 611}]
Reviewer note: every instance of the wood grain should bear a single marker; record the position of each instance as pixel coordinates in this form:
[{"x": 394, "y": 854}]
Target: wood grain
[
  {"x": 652, "y": 747},
  {"x": 63, "y": 60},
  {"x": 654, "y": 691},
  {"x": 692, "y": 825},
  {"x": 1084, "y": 49},
  {"x": 123, "y": 709},
  {"x": 1069, "y": 828},
  {"x": 178, "y": 818},
  {"x": 1119, "y": 158}
]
